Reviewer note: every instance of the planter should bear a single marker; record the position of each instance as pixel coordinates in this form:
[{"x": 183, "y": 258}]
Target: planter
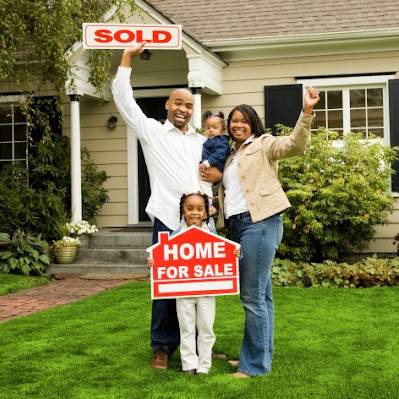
[{"x": 66, "y": 254}]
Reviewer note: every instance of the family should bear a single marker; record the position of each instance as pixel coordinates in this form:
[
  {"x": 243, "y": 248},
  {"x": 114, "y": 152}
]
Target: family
[{"x": 182, "y": 166}]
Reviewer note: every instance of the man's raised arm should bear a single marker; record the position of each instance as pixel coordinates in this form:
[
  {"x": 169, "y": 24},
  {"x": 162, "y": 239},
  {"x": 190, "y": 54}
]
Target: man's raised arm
[{"x": 123, "y": 94}]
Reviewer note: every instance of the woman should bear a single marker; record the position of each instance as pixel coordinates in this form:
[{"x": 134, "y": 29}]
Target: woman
[{"x": 252, "y": 199}]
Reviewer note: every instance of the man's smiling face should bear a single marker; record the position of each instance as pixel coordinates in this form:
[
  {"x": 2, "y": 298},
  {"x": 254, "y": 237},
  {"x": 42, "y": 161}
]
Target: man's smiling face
[{"x": 179, "y": 107}]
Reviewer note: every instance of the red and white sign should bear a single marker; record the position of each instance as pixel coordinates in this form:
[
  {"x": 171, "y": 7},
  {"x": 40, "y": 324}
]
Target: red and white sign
[
  {"x": 193, "y": 263},
  {"x": 110, "y": 36}
]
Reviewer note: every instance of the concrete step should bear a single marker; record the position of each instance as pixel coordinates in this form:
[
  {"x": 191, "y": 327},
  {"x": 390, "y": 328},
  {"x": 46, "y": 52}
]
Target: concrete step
[
  {"x": 110, "y": 239},
  {"x": 101, "y": 268},
  {"x": 112, "y": 255}
]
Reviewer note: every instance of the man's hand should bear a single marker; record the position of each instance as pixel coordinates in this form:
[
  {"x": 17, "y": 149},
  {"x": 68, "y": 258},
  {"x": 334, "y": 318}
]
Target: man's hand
[
  {"x": 212, "y": 175},
  {"x": 131, "y": 52},
  {"x": 310, "y": 100}
]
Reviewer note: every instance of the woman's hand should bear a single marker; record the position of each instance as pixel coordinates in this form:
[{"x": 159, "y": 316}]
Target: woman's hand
[
  {"x": 237, "y": 252},
  {"x": 310, "y": 100},
  {"x": 131, "y": 52}
]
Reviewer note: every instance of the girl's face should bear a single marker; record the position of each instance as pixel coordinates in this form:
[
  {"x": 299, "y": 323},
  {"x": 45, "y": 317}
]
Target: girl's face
[
  {"x": 214, "y": 126},
  {"x": 194, "y": 211},
  {"x": 239, "y": 127}
]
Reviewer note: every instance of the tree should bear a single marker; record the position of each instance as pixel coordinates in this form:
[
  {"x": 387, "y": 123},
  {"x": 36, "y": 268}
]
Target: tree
[{"x": 34, "y": 37}]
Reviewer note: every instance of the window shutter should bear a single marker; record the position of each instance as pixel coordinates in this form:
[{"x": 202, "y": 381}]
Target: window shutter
[
  {"x": 393, "y": 87},
  {"x": 282, "y": 105}
]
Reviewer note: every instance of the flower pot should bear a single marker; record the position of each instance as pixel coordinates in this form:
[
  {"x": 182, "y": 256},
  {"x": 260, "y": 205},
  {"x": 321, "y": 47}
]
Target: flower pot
[{"x": 66, "y": 254}]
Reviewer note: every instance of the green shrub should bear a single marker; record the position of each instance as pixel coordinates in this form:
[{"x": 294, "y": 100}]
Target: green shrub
[
  {"x": 366, "y": 273},
  {"x": 38, "y": 200},
  {"x": 26, "y": 254},
  {"x": 338, "y": 195}
]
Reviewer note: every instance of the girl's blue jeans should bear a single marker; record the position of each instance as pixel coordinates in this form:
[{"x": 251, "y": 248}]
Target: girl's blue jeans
[{"x": 259, "y": 242}]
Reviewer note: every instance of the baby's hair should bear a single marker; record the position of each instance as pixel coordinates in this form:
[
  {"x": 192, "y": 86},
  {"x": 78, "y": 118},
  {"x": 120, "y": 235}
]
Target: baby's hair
[
  {"x": 209, "y": 114},
  {"x": 203, "y": 196}
]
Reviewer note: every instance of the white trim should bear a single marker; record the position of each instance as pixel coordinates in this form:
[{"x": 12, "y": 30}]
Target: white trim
[
  {"x": 132, "y": 179},
  {"x": 346, "y": 81},
  {"x": 12, "y": 98},
  {"x": 262, "y": 41}
]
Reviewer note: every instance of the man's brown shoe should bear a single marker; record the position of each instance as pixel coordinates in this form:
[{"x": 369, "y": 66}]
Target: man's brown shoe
[{"x": 160, "y": 360}]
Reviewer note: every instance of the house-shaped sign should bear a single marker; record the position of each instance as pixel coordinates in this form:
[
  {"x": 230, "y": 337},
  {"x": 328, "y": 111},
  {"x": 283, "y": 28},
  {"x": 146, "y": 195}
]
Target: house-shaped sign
[{"x": 193, "y": 263}]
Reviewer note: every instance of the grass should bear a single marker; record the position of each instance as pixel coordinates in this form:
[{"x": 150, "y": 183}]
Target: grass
[
  {"x": 12, "y": 283},
  {"x": 330, "y": 343}
]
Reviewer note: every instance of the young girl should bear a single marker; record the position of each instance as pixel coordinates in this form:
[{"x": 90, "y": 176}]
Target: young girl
[
  {"x": 196, "y": 315},
  {"x": 215, "y": 150}
]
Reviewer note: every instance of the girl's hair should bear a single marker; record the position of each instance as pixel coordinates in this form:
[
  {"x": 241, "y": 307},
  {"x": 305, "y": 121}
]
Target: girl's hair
[
  {"x": 251, "y": 117},
  {"x": 209, "y": 114},
  {"x": 202, "y": 195}
]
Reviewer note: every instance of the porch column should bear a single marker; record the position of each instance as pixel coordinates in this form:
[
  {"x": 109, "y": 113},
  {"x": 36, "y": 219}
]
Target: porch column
[
  {"x": 197, "y": 114},
  {"x": 76, "y": 170}
]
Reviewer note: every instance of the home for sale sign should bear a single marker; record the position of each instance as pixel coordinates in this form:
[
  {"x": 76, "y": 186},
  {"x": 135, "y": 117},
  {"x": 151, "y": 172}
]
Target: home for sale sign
[
  {"x": 193, "y": 263},
  {"x": 110, "y": 36}
]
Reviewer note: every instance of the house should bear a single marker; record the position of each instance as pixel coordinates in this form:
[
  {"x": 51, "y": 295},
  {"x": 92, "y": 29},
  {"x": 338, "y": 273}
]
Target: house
[
  {"x": 260, "y": 53},
  {"x": 193, "y": 262}
]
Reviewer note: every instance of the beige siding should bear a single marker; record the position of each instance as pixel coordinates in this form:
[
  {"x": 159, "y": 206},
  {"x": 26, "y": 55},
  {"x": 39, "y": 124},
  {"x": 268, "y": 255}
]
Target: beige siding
[{"x": 243, "y": 82}]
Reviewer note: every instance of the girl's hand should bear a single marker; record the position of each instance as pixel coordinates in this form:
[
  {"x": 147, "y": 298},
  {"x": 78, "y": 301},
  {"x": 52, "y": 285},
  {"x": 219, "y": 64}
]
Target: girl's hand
[
  {"x": 237, "y": 252},
  {"x": 310, "y": 100},
  {"x": 150, "y": 263}
]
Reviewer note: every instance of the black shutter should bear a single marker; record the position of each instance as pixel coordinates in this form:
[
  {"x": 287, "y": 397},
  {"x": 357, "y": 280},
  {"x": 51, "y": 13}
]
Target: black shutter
[
  {"x": 393, "y": 87},
  {"x": 282, "y": 105}
]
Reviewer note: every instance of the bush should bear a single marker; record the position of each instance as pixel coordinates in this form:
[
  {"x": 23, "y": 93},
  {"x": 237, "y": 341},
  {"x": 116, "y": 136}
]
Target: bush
[
  {"x": 337, "y": 196},
  {"x": 366, "y": 273},
  {"x": 38, "y": 200},
  {"x": 26, "y": 254}
]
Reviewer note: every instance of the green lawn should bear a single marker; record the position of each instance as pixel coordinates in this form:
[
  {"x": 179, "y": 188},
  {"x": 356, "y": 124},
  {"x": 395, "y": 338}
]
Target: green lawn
[
  {"x": 330, "y": 343},
  {"x": 11, "y": 283}
]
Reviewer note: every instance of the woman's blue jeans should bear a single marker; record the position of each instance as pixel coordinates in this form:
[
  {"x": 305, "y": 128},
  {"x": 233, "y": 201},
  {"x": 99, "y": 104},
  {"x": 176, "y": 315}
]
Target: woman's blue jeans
[{"x": 259, "y": 242}]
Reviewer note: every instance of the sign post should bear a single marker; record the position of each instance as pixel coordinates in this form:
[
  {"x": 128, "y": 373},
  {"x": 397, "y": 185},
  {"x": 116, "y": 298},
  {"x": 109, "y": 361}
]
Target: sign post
[
  {"x": 114, "y": 36},
  {"x": 193, "y": 263}
]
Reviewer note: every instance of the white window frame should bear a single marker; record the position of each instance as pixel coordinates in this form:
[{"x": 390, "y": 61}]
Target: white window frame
[
  {"x": 14, "y": 100},
  {"x": 354, "y": 82}
]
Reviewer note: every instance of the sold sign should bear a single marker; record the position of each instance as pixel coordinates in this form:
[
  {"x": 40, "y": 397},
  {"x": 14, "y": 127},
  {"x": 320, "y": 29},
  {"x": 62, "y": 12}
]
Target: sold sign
[{"x": 110, "y": 36}]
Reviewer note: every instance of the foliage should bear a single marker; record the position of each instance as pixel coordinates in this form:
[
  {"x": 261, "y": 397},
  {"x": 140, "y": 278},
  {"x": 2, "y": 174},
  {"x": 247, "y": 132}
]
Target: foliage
[
  {"x": 337, "y": 196},
  {"x": 366, "y": 273},
  {"x": 26, "y": 254},
  {"x": 43, "y": 205},
  {"x": 34, "y": 39}
]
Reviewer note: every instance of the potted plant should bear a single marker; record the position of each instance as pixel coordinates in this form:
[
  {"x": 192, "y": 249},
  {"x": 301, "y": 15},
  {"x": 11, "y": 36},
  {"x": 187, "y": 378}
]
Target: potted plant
[
  {"x": 81, "y": 230},
  {"x": 65, "y": 249}
]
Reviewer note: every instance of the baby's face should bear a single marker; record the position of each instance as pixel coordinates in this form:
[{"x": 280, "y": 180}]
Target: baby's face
[{"x": 214, "y": 126}]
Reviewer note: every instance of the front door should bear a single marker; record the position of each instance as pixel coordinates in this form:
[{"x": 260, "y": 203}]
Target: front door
[{"x": 153, "y": 108}]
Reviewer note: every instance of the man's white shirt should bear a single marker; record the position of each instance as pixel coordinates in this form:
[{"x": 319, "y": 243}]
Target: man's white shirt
[{"x": 172, "y": 157}]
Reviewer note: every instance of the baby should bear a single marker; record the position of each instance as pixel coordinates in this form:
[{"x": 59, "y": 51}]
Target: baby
[{"x": 215, "y": 150}]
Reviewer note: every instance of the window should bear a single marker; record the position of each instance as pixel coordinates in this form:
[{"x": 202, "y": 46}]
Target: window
[
  {"x": 13, "y": 135},
  {"x": 355, "y": 104}
]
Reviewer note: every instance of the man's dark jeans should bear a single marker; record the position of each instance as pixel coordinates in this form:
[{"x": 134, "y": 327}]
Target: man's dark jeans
[{"x": 165, "y": 333}]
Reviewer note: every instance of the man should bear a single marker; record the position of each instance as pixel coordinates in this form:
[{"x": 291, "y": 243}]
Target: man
[{"x": 172, "y": 152}]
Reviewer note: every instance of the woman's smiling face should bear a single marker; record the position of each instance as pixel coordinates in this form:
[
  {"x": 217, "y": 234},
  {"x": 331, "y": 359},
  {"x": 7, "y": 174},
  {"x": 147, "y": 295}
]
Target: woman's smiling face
[{"x": 239, "y": 127}]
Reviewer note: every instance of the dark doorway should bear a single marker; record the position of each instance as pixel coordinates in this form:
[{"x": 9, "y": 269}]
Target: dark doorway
[{"x": 153, "y": 108}]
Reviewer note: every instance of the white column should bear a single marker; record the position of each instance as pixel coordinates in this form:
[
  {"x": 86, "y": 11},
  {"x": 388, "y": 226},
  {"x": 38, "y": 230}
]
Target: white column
[
  {"x": 76, "y": 169},
  {"x": 197, "y": 114}
]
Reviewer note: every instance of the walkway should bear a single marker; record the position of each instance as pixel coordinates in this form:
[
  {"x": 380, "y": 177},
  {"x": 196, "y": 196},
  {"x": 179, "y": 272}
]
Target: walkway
[{"x": 66, "y": 290}]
